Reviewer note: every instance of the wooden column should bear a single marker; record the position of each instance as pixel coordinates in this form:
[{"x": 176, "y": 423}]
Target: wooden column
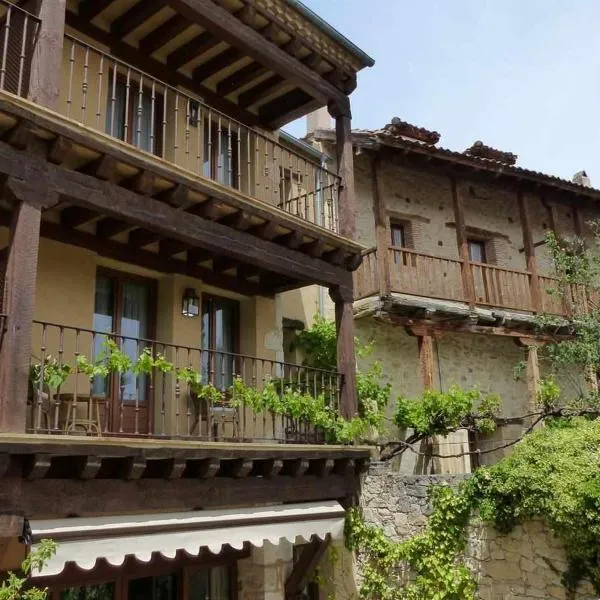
[
  {"x": 346, "y": 359},
  {"x": 19, "y": 303},
  {"x": 532, "y": 374},
  {"x": 345, "y": 166},
  {"x": 46, "y": 63},
  {"x": 463, "y": 244},
  {"x": 381, "y": 230},
  {"x": 528, "y": 245},
  {"x": 427, "y": 360}
]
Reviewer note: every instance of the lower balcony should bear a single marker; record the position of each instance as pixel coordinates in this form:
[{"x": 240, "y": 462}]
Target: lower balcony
[
  {"x": 100, "y": 384},
  {"x": 426, "y": 276}
]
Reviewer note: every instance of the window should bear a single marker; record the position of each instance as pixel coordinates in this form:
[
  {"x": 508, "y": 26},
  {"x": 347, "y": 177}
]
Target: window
[
  {"x": 220, "y": 335},
  {"x": 477, "y": 251},
  {"x": 220, "y": 153},
  {"x": 398, "y": 234},
  {"x": 292, "y": 193},
  {"x": 133, "y": 117}
]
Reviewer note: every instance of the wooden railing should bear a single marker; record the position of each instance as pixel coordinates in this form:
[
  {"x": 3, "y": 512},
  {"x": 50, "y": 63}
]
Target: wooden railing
[
  {"x": 419, "y": 274},
  {"x": 424, "y": 275},
  {"x": 159, "y": 402},
  {"x": 500, "y": 287},
  {"x": 18, "y": 36},
  {"x": 366, "y": 278},
  {"x": 118, "y": 99}
]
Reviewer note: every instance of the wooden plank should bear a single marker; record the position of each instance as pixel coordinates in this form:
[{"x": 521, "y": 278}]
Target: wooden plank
[
  {"x": 163, "y": 34},
  {"x": 228, "y": 27},
  {"x": 19, "y": 302},
  {"x": 529, "y": 247},
  {"x": 240, "y": 78},
  {"x": 381, "y": 228},
  {"x": 463, "y": 244},
  {"x": 112, "y": 200},
  {"x": 346, "y": 359},
  {"x": 136, "y": 16},
  {"x": 46, "y": 62},
  {"x": 58, "y": 498}
]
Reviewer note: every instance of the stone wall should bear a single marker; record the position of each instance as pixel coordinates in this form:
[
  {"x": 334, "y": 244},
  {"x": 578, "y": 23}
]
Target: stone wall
[{"x": 522, "y": 565}]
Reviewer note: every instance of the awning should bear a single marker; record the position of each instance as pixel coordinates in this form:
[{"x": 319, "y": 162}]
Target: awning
[{"x": 85, "y": 540}]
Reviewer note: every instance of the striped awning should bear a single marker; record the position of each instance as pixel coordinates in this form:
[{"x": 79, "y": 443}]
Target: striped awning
[{"x": 83, "y": 541}]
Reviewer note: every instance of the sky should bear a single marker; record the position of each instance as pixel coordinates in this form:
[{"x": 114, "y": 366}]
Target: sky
[{"x": 520, "y": 75}]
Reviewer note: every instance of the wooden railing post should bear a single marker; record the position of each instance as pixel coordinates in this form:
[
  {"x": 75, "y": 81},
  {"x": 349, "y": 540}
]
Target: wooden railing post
[
  {"x": 463, "y": 244},
  {"x": 528, "y": 245},
  {"x": 46, "y": 64},
  {"x": 381, "y": 230},
  {"x": 346, "y": 359}
]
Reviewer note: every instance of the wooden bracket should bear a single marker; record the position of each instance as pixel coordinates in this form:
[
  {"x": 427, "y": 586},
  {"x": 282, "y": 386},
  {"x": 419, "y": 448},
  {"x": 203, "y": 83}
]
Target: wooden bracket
[{"x": 304, "y": 569}]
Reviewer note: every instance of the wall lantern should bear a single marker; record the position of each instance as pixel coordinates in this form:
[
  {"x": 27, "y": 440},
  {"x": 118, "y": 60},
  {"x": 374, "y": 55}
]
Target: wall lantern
[{"x": 190, "y": 304}]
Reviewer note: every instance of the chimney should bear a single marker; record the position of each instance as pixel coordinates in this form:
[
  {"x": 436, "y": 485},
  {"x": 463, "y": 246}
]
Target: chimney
[
  {"x": 319, "y": 119},
  {"x": 581, "y": 178}
]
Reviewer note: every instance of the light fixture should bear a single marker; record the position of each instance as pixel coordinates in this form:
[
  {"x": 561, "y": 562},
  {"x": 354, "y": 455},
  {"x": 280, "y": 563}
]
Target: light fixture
[{"x": 190, "y": 304}]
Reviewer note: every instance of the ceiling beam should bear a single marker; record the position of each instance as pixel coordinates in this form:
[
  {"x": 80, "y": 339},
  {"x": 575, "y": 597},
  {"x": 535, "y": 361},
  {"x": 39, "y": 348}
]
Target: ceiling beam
[
  {"x": 261, "y": 90},
  {"x": 293, "y": 100},
  {"x": 90, "y": 9},
  {"x": 228, "y": 27},
  {"x": 163, "y": 34},
  {"x": 217, "y": 63},
  {"x": 240, "y": 78},
  {"x": 197, "y": 46},
  {"x": 136, "y": 16}
]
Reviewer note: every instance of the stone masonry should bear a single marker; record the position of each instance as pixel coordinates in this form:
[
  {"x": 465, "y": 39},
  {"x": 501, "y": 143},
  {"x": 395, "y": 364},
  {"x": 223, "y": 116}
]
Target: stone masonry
[{"x": 523, "y": 565}]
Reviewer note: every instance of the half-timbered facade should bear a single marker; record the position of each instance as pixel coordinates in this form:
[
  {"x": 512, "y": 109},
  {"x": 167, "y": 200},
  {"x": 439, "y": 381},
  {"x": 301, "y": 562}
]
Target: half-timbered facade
[
  {"x": 150, "y": 202},
  {"x": 456, "y": 270}
]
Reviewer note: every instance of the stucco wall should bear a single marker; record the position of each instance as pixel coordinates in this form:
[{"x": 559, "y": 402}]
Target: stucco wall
[{"x": 522, "y": 565}]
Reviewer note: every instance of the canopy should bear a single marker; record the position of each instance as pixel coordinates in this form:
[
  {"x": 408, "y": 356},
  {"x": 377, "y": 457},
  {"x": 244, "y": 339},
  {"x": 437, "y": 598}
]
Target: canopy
[{"x": 85, "y": 540}]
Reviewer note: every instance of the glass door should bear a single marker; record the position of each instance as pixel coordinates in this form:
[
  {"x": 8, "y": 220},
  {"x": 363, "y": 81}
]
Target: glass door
[{"x": 124, "y": 307}]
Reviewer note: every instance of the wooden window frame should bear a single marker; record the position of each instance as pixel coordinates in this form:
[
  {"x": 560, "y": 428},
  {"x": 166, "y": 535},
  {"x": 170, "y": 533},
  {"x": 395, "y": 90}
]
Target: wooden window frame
[{"x": 485, "y": 247}]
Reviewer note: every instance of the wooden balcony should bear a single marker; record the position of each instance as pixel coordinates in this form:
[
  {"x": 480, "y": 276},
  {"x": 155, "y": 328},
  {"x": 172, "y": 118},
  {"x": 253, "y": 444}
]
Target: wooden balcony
[
  {"x": 423, "y": 275},
  {"x": 163, "y": 402}
]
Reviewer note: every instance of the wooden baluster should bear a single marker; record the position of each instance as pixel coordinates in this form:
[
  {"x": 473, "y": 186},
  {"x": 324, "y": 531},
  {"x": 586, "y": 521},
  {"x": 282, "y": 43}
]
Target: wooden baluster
[
  {"x": 70, "y": 86},
  {"x": 5, "y": 36},
  {"x": 100, "y": 99},
  {"x": 23, "y": 55},
  {"x": 164, "y": 125},
  {"x": 84, "y": 84}
]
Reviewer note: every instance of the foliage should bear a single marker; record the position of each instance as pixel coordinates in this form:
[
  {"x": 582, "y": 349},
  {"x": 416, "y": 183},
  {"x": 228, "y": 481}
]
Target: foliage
[
  {"x": 440, "y": 413},
  {"x": 53, "y": 372},
  {"x": 14, "y": 586},
  {"x": 319, "y": 344},
  {"x": 425, "y": 566}
]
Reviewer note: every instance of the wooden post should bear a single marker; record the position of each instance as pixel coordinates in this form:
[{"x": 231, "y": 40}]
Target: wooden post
[
  {"x": 463, "y": 244},
  {"x": 381, "y": 230},
  {"x": 46, "y": 65},
  {"x": 533, "y": 374},
  {"x": 346, "y": 360},
  {"x": 345, "y": 166},
  {"x": 427, "y": 361},
  {"x": 19, "y": 302},
  {"x": 528, "y": 245}
]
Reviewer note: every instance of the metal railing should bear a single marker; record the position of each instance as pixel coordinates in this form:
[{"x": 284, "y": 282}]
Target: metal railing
[
  {"x": 65, "y": 399},
  {"x": 18, "y": 36},
  {"x": 124, "y": 102}
]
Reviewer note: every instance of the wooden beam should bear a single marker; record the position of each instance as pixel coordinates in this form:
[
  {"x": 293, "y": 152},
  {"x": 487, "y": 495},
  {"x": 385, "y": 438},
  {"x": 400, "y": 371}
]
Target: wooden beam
[
  {"x": 163, "y": 34},
  {"x": 74, "y": 216},
  {"x": 158, "y": 70},
  {"x": 216, "y": 64},
  {"x": 346, "y": 359},
  {"x": 110, "y": 227},
  {"x": 529, "y": 247},
  {"x": 202, "y": 43},
  {"x": 90, "y": 9},
  {"x": 240, "y": 78},
  {"x": 228, "y": 27},
  {"x": 198, "y": 255},
  {"x": 285, "y": 118},
  {"x": 427, "y": 361},
  {"x": 304, "y": 569},
  {"x": 345, "y": 163},
  {"x": 20, "y": 274},
  {"x": 261, "y": 90},
  {"x": 47, "y": 61},
  {"x": 138, "y": 238},
  {"x": 136, "y": 16},
  {"x": 463, "y": 243},
  {"x": 239, "y": 220},
  {"x": 381, "y": 227},
  {"x": 171, "y": 247},
  {"x": 59, "y": 498},
  {"x": 283, "y": 105}
]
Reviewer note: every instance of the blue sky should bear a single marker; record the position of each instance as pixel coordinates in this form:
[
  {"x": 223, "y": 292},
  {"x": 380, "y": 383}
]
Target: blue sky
[{"x": 520, "y": 75}]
